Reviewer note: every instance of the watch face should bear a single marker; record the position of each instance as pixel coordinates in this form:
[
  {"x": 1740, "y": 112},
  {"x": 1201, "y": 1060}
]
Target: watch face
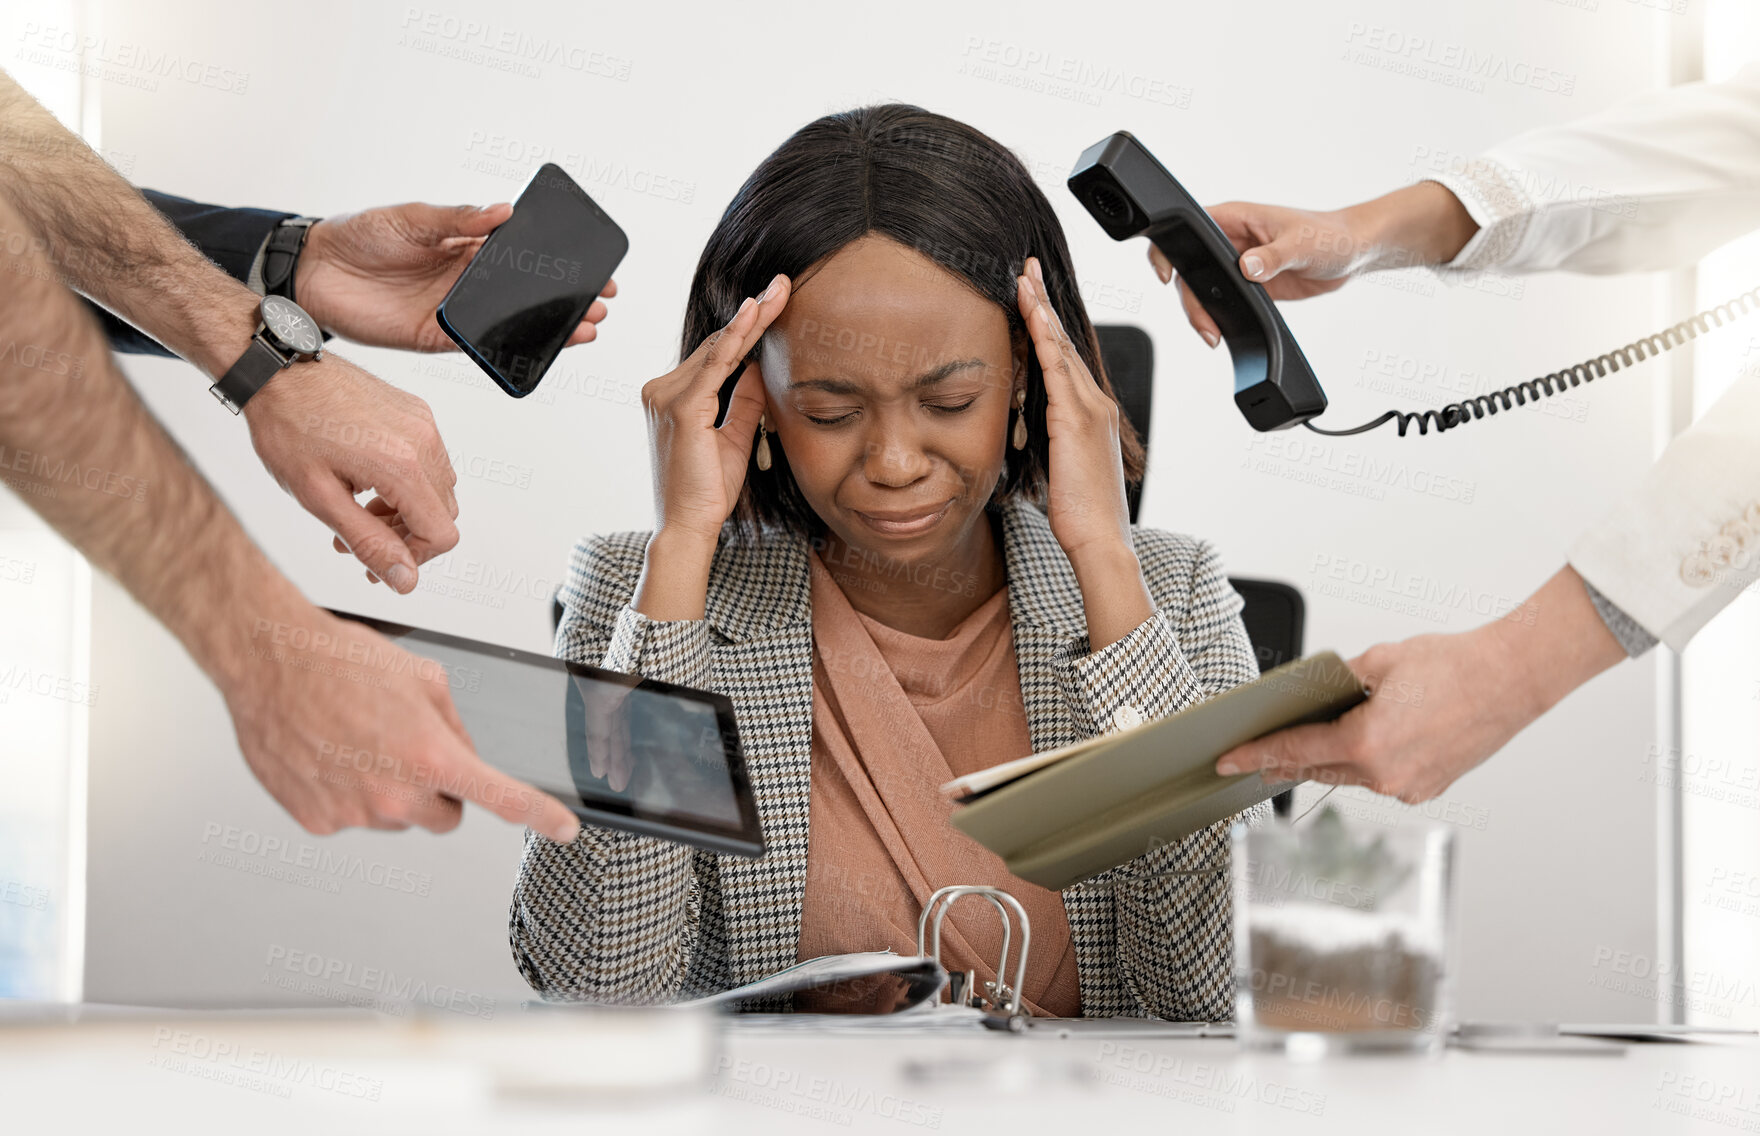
[{"x": 290, "y": 325}]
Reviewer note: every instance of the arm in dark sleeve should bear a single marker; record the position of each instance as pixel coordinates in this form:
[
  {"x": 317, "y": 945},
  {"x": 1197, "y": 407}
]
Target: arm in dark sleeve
[{"x": 230, "y": 238}]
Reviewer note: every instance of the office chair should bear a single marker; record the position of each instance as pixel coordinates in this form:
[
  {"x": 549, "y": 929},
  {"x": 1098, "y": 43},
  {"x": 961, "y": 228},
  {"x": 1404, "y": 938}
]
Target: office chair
[{"x": 1274, "y": 611}]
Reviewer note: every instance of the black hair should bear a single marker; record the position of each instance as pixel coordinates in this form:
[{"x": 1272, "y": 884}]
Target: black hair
[{"x": 931, "y": 183}]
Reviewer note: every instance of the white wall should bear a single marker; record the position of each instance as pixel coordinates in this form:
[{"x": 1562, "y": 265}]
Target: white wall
[
  {"x": 1718, "y": 764},
  {"x": 342, "y": 108},
  {"x": 45, "y": 691}
]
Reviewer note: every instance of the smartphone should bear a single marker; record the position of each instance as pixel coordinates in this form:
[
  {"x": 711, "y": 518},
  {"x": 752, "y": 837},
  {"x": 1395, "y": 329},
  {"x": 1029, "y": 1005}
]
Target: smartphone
[{"x": 532, "y": 280}]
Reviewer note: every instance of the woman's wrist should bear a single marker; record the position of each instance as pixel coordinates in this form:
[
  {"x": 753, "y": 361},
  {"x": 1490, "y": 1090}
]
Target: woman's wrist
[
  {"x": 675, "y": 576},
  {"x": 1418, "y": 224},
  {"x": 1115, "y": 597}
]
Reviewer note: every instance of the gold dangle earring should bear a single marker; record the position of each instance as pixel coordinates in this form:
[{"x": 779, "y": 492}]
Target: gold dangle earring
[
  {"x": 1020, "y": 418},
  {"x": 763, "y": 444}
]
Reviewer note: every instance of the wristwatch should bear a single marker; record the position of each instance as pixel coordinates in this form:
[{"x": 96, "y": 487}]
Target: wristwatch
[
  {"x": 281, "y": 255},
  {"x": 285, "y": 335}
]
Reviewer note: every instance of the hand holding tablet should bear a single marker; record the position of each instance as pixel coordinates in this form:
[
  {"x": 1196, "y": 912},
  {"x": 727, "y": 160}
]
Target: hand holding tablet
[{"x": 618, "y": 750}]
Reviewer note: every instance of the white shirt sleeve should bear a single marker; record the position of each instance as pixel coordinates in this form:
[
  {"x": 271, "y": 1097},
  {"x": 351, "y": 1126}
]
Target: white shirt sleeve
[
  {"x": 1683, "y": 545},
  {"x": 1655, "y": 182}
]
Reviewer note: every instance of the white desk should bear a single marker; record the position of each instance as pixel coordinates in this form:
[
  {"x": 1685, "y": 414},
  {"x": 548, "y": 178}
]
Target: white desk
[{"x": 708, "y": 1077}]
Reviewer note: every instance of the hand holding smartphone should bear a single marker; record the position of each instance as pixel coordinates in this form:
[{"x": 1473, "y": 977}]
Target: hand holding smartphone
[{"x": 532, "y": 280}]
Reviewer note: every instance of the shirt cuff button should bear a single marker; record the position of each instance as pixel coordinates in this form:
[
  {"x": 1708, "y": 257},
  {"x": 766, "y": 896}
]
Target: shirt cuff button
[{"x": 1126, "y": 717}]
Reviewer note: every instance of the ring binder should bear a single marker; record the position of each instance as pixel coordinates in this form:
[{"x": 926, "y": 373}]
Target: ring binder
[{"x": 997, "y": 1014}]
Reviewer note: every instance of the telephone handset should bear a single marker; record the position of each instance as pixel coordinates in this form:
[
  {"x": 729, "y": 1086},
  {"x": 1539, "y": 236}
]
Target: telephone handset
[{"x": 1131, "y": 195}]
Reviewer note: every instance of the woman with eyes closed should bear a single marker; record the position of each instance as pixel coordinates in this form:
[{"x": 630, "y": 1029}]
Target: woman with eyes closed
[{"x": 889, "y": 477}]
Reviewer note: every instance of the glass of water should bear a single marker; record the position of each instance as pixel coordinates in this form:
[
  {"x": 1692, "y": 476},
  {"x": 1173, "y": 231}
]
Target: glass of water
[{"x": 1342, "y": 935}]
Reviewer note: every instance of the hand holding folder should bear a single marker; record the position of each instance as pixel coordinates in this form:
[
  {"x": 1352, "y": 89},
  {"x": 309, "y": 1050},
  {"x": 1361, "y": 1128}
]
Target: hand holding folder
[{"x": 1060, "y": 817}]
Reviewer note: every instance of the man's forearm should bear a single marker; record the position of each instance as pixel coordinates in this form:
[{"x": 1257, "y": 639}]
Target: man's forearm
[
  {"x": 99, "y": 235},
  {"x": 1554, "y": 643},
  {"x": 79, "y": 447},
  {"x": 235, "y": 239}
]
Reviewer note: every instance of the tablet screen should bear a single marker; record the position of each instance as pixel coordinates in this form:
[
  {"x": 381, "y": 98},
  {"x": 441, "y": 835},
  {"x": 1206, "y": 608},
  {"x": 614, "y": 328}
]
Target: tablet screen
[{"x": 618, "y": 750}]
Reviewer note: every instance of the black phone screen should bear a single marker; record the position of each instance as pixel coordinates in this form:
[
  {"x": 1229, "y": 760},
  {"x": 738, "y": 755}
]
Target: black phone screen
[{"x": 532, "y": 280}]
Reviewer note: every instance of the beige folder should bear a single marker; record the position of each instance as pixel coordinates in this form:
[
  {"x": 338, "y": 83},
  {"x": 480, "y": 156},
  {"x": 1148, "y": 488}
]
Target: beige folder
[{"x": 1060, "y": 817}]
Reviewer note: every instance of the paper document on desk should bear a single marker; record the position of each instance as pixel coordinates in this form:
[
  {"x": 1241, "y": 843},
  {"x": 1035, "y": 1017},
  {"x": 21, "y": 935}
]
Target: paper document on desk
[
  {"x": 923, "y": 978},
  {"x": 926, "y": 1018}
]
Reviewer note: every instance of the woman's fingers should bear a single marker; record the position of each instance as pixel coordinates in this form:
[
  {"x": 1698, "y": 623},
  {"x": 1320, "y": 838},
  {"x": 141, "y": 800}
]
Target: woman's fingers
[
  {"x": 1159, "y": 262},
  {"x": 1069, "y": 361},
  {"x": 745, "y": 408},
  {"x": 726, "y": 347},
  {"x": 1268, "y": 241},
  {"x": 700, "y": 376},
  {"x": 1284, "y": 253},
  {"x": 722, "y": 353},
  {"x": 1066, "y": 375},
  {"x": 1195, "y": 313},
  {"x": 1038, "y": 319},
  {"x": 1198, "y": 317},
  {"x": 696, "y": 476}
]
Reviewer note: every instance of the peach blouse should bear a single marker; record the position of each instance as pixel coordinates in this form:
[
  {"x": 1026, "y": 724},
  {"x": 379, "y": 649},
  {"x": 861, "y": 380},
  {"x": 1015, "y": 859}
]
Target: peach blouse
[{"x": 896, "y": 716}]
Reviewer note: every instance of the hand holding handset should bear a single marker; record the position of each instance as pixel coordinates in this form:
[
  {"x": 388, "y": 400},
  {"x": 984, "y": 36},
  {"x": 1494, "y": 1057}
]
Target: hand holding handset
[
  {"x": 515, "y": 305},
  {"x": 1132, "y": 195}
]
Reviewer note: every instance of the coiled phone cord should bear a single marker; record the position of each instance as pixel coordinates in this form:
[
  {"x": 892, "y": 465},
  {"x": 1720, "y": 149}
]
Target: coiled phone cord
[{"x": 1456, "y": 414}]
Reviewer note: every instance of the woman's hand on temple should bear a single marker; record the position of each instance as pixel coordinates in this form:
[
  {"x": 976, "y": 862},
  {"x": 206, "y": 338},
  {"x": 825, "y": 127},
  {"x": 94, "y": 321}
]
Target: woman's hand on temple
[
  {"x": 1089, "y": 513},
  {"x": 1087, "y": 505},
  {"x": 699, "y": 468}
]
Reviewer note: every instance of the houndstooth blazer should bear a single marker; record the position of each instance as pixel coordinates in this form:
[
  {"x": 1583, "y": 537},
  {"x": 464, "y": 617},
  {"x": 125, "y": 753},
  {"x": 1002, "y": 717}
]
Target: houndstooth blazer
[{"x": 615, "y": 917}]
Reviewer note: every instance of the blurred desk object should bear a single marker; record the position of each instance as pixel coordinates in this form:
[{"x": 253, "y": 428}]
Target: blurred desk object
[{"x": 544, "y": 1070}]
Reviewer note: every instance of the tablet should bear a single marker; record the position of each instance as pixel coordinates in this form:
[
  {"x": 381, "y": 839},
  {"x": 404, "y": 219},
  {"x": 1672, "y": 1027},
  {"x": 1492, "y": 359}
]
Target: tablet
[{"x": 619, "y": 750}]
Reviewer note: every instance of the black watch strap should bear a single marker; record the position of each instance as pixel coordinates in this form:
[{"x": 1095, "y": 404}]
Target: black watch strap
[
  {"x": 281, "y": 255},
  {"x": 259, "y": 363}
]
